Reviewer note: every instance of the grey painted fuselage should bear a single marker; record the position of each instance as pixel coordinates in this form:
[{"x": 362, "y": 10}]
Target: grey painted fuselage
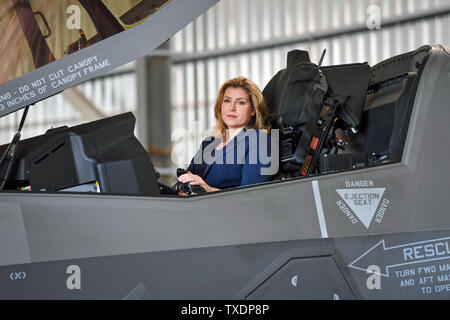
[{"x": 413, "y": 197}]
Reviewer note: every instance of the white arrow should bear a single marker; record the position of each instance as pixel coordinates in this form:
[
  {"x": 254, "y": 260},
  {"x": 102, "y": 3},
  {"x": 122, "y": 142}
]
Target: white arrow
[{"x": 394, "y": 256}]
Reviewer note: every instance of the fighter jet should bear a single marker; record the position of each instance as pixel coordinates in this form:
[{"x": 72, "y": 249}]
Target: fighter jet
[{"x": 357, "y": 210}]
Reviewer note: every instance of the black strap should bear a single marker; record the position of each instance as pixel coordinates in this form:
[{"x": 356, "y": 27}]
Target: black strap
[
  {"x": 334, "y": 102},
  {"x": 8, "y": 155},
  {"x": 22, "y": 121}
]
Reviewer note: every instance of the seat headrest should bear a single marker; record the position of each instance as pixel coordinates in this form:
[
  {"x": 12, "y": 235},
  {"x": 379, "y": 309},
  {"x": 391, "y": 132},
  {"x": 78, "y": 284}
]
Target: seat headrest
[
  {"x": 288, "y": 90},
  {"x": 297, "y": 56}
]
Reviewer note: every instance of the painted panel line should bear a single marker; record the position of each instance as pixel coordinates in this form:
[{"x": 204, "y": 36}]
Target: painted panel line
[{"x": 319, "y": 207}]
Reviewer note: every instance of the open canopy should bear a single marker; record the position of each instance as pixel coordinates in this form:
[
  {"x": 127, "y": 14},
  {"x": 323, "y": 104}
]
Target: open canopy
[{"x": 48, "y": 46}]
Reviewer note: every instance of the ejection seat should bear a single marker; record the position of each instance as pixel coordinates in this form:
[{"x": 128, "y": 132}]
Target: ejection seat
[{"x": 307, "y": 104}]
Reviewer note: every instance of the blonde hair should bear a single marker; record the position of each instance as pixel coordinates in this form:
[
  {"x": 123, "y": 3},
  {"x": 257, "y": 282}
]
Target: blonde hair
[{"x": 257, "y": 121}]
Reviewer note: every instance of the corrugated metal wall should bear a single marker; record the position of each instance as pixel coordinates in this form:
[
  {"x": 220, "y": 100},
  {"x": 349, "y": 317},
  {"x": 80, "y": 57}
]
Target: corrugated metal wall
[{"x": 252, "y": 38}]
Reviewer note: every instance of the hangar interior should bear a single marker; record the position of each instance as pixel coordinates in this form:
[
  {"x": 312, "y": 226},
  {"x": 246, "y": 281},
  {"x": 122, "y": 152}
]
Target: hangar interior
[
  {"x": 172, "y": 90},
  {"x": 312, "y": 238}
]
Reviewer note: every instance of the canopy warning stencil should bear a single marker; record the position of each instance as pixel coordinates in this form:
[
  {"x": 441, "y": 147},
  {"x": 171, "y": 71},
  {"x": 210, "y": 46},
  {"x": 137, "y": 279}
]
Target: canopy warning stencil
[{"x": 363, "y": 202}]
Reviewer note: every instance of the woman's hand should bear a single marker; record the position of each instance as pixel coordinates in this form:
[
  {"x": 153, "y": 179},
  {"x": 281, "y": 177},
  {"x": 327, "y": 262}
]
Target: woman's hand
[{"x": 195, "y": 180}]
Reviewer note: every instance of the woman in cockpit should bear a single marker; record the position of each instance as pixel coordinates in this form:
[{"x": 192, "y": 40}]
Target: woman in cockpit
[{"x": 239, "y": 152}]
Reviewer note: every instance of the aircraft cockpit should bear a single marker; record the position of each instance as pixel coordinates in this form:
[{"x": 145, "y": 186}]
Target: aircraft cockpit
[
  {"x": 328, "y": 119},
  {"x": 357, "y": 207}
]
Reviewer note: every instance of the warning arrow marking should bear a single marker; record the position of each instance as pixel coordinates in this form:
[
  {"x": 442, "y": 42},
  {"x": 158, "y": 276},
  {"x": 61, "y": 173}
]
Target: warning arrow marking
[{"x": 396, "y": 256}]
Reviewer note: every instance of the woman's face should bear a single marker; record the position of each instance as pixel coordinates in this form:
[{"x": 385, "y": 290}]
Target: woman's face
[{"x": 236, "y": 108}]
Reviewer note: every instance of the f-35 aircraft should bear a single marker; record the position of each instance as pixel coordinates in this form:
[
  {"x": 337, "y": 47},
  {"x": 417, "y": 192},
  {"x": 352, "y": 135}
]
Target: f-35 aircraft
[{"x": 358, "y": 209}]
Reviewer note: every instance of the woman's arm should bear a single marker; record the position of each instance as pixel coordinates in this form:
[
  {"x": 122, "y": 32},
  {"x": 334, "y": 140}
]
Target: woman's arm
[
  {"x": 196, "y": 180},
  {"x": 252, "y": 174},
  {"x": 266, "y": 165},
  {"x": 198, "y": 165}
]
